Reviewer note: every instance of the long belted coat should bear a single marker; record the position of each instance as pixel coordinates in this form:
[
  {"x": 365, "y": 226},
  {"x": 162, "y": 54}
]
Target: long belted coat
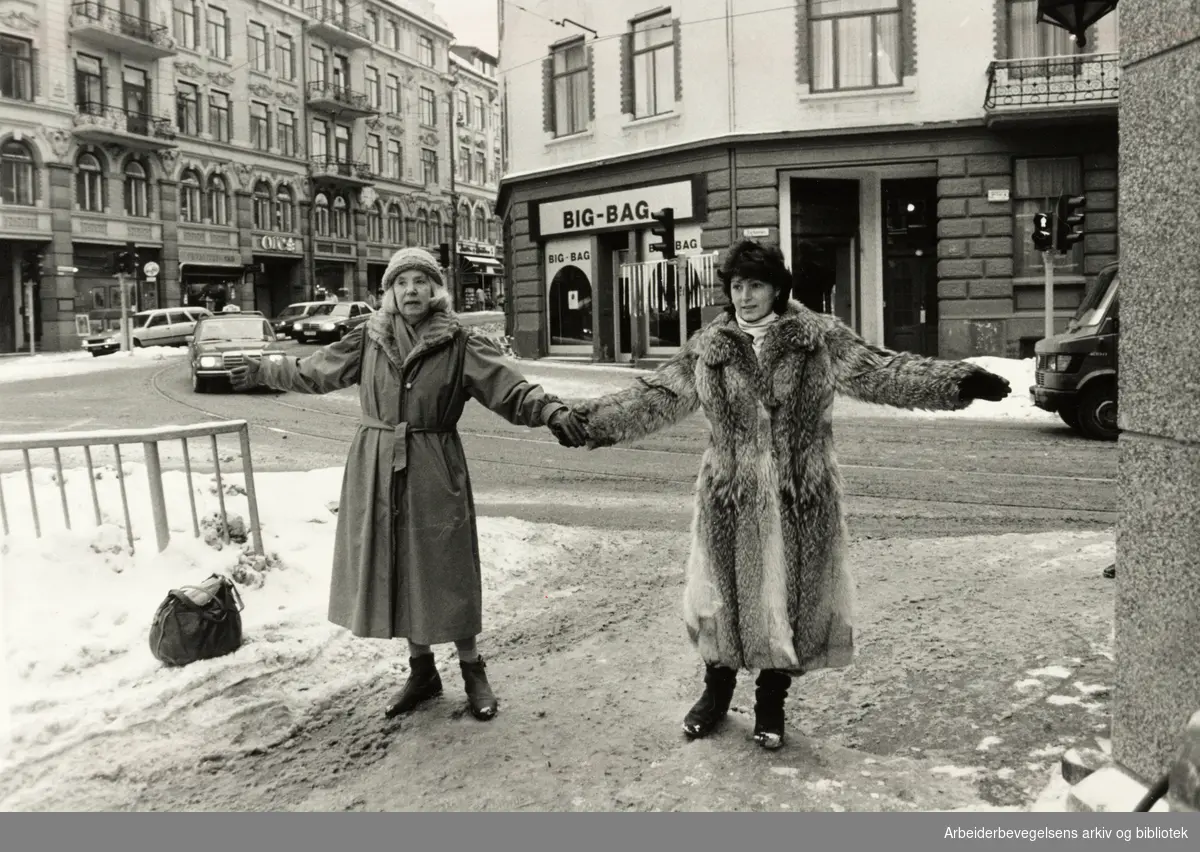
[
  {"x": 766, "y": 581},
  {"x": 406, "y": 552}
]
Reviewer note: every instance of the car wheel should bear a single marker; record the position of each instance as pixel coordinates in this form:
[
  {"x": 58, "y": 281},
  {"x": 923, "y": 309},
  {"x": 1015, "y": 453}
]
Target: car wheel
[
  {"x": 137, "y": 344},
  {"x": 1070, "y": 416},
  {"x": 199, "y": 384},
  {"x": 1098, "y": 411}
]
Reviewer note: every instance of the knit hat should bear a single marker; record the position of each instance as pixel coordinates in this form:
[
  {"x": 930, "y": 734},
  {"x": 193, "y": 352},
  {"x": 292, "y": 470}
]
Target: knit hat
[{"x": 413, "y": 258}]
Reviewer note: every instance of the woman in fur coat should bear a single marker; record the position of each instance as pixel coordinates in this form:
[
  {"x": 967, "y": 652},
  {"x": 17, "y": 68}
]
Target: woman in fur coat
[
  {"x": 406, "y": 553},
  {"x": 767, "y": 587}
]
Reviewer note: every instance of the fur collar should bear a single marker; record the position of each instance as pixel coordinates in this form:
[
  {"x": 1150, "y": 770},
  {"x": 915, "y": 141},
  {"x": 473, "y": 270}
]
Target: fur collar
[
  {"x": 797, "y": 330},
  {"x": 439, "y": 330}
]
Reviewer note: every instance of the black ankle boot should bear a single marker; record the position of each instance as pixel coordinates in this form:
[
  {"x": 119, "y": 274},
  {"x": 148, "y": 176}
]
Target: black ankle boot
[
  {"x": 714, "y": 701},
  {"x": 479, "y": 692},
  {"x": 423, "y": 683},
  {"x": 768, "y": 707}
]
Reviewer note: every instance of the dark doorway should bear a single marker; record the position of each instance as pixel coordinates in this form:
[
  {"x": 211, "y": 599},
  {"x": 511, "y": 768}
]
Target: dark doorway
[
  {"x": 825, "y": 234},
  {"x": 8, "y": 313},
  {"x": 910, "y": 307},
  {"x": 570, "y": 308}
]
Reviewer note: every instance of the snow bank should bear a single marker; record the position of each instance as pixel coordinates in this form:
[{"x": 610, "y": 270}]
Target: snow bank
[
  {"x": 54, "y": 364},
  {"x": 78, "y": 605}
]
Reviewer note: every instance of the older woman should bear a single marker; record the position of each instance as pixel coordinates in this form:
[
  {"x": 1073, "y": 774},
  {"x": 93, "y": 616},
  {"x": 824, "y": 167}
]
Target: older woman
[
  {"x": 767, "y": 587},
  {"x": 406, "y": 554}
]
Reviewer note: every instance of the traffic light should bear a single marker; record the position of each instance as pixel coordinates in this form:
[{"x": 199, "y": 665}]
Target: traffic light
[
  {"x": 127, "y": 262},
  {"x": 665, "y": 232},
  {"x": 444, "y": 255},
  {"x": 1043, "y": 240},
  {"x": 1068, "y": 212},
  {"x": 31, "y": 268}
]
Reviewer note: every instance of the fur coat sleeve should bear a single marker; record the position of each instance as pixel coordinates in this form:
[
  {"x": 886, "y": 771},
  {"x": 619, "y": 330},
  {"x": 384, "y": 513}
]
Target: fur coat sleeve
[
  {"x": 330, "y": 368},
  {"x": 653, "y": 402},
  {"x": 488, "y": 378},
  {"x": 900, "y": 379}
]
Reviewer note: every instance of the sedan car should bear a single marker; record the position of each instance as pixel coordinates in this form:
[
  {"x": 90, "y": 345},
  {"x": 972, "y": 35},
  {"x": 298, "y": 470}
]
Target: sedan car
[
  {"x": 292, "y": 314},
  {"x": 225, "y": 341},
  {"x": 332, "y": 321}
]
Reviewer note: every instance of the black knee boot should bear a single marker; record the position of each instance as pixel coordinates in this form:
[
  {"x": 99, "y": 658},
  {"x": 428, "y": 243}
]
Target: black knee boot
[
  {"x": 423, "y": 683},
  {"x": 714, "y": 701},
  {"x": 768, "y": 707}
]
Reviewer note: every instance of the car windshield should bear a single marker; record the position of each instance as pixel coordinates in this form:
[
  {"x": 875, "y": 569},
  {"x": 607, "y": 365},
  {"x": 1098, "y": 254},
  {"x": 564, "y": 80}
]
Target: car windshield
[
  {"x": 333, "y": 309},
  {"x": 233, "y": 328},
  {"x": 292, "y": 311},
  {"x": 139, "y": 320},
  {"x": 1096, "y": 301}
]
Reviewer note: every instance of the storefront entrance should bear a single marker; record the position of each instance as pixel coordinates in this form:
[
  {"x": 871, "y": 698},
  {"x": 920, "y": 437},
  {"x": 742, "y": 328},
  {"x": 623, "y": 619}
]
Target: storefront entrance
[
  {"x": 910, "y": 310},
  {"x": 210, "y": 287}
]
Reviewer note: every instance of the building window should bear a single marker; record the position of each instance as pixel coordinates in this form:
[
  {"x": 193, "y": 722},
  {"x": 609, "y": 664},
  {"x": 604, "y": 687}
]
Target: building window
[
  {"x": 480, "y": 226},
  {"x": 285, "y": 56},
  {"x": 480, "y": 114},
  {"x": 137, "y": 190},
  {"x": 653, "y": 65},
  {"x": 89, "y": 85},
  {"x": 218, "y": 32},
  {"x": 260, "y": 126},
  {"x": 321, "y": 215},
  {"x": 395, "y": 159},
  {"x": 480, "y": 167},
  {"x": 318, "y": 144},
  {"x": 341, "y": 218},
  {"x": 263, "y": 206},
  {"x": 187, "y": 109},
  {"x": 428, "y": 107},
  {"x": 422, "y": 228},
  {"x": 341, "y": 72},
  {"x": 285, "y": 209},
  {"x": 375, "y": 223},
  {"x": 425, "y": 51},
  {"x": 429, "y": 166},
  {"x": 259, "y": 52},
  {"x": 187, "y": 24},
  {"x": 856, "y": 44},
  {"x": 343, "y": 148},
  {"x": 393, "y": 94},
  {"x": 189, "y": 197},
  {"x": 395, "y": 227},
  {"x": 374, "y": 154},
  {"x": 374, "y": 92},
  {"x": 18, "y": 177},
  {"x": 16, "y": 68},
  {"x": 435, "y": 227},
  {"x": 285, "y": 132},
  {"x": 317, "y": 63},
  {"x": 372, "y": 22},
  {"x": 391, "y": 34},
  {"x": 464, "y": 164},
  {"x": 1037, "y": 182},
  {"x": 89, "y": 184},
  {"x": 1027, "y": 39},
  {"x": 464, "y": 108},
  {"x": 571, "y": 87},
  {"x": 220, "y": 123},
  {"x": 218, "y": 200}
]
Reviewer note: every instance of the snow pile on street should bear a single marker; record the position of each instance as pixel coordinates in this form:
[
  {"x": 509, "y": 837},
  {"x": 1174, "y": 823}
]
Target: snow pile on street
[
  {"x": 55, "y": 364},
  {"x": 78, "y": 606}
]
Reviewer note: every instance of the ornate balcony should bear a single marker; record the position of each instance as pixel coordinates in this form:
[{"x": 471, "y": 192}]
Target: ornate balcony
[
  {"x": 337, "y": 28},
  {"x": 113, "y": 29},
  {"x": 1052, "y": 89},
  {"x": 100, "y": 124},
  {"x": 339, "y": 100},
  {"x": 344, "y": 173}
]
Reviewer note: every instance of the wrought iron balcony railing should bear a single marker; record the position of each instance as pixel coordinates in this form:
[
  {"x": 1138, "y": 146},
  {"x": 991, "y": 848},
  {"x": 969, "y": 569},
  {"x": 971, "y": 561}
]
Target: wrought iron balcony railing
[
  {"x": 94, "y": 12},
  {"x": 330, "y": 16},
  {"x": 91, "y": 114},
  {"x": 1056, "y": 81},
  {"x": 339, "y": 94},
  {"x": 332, "y": 166}
]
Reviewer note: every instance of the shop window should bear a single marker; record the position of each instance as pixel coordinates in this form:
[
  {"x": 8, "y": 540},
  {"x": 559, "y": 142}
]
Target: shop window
[
  {"x": 189, "y": 197},
  {"x": 137, "y": 189},
  {"x": 89, "y": 184},
  {"x": 18, "y": 175},
  {"x": 375, "y": 223},
  {"x": 855, "y": 44},
  {"x": 321, "y": 215},
  {"x": 263, "y": 205},
  {"x": 285, "y": 209},
  {"x": 218, "y": 200}
]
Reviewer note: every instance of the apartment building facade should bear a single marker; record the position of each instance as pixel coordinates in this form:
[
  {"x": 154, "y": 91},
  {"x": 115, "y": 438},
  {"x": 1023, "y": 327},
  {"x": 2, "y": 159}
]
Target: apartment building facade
[
  {"x": 258, "y": 152},
  {"x": 895, "y": 149}
]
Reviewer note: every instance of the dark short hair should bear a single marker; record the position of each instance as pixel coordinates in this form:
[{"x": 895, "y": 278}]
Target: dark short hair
[{"x": 759, "y": 262}]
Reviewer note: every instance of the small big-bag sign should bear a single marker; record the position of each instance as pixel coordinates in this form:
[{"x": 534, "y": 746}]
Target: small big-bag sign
[{"x": 197, "y": 622}]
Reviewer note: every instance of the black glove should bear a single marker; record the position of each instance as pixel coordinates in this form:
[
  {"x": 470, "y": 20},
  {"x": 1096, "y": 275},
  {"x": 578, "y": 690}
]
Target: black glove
[
  {"x": 245, "y": 376},
  {"x": 983, "y": 385},
  {"x": 568, "y": 427}
]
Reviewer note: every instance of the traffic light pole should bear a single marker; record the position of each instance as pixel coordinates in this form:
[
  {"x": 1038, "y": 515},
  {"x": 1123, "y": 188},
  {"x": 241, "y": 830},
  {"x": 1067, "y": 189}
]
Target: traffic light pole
[
  {"x": 125, "y": 343},
  {"x": 29, "y": 318},
  {"x": 1048, "y": 264}
]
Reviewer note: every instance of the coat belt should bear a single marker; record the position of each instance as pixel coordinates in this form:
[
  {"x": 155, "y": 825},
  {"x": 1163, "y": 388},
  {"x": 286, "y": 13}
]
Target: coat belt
[{"x": 395, "y": 438}]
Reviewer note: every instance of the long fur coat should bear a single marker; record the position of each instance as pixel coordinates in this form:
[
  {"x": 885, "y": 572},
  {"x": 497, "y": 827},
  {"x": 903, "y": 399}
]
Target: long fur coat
[{"x": 767, "y": 585}]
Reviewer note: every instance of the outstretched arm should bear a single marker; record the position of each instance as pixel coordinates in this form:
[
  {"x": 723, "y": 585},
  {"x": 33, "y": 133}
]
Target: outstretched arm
[
  {"x": 330, "y": 368},
  {"x": 652, "y": 403},
  {"x": 490, "y": 378},
  {"x": 902, "y": 379}
]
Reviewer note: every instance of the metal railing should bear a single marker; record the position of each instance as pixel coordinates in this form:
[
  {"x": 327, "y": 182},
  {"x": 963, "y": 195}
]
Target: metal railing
[
  {"x": 331, "y": 166},
  {"x": 344, "y": 95},
  {"x": 93, "y": 114},
  {"x": 1053, "y": 81},
  {"x": 341, "y": 20},
  {"x": 150, "y": 439},
  {"x": 114, "y": 20},
  {"x": 665, "y": 304}
]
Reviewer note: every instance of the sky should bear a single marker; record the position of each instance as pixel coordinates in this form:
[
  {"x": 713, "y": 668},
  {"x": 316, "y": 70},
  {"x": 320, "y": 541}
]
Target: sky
[{"x": 473, "y": 22}]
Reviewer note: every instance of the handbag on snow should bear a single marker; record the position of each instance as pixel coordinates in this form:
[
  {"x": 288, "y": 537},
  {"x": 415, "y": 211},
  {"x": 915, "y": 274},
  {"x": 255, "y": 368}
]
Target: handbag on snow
[{"x": 197, "y": 622}]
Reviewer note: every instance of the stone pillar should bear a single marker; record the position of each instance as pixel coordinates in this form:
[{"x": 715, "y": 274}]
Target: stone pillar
[
  {"x": 58, "y": 328},
  {"x": 169, "y": 289},
  {"x": 1158, "y": 538}
]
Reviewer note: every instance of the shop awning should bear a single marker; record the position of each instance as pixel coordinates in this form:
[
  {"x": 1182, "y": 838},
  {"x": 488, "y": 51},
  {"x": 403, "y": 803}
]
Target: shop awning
[{"x": 487, "y": 264}]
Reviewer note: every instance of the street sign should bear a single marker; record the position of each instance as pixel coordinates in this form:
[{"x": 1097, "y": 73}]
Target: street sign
[
  {"x": 998, "y": 195},
  {"x": 66, "y": 270},
  {"x": 756, "y": 232},
  {"x": 150, "y": 269}
]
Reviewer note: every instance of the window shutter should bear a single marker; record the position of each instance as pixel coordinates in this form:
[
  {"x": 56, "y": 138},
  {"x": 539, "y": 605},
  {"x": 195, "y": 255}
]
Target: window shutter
[
  {"x": 35, "y": 83},
  {"x": 627, "y": 104},
  {"x": 676, "y": 33},
  {"x": 548, "y": 94},
  {"x": 908, "y": 20},
  {"x": 591, "y": 65}
]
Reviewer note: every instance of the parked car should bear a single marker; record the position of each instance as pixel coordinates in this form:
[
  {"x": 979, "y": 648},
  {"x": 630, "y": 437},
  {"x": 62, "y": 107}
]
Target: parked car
[
  {"x": 1076, "y": 371},
  {"x": 225, "y": 341},
  {"x": 284, "y": 324},
  {"x": 332, "y": 321},
  {"x": 158, "y": 327}
]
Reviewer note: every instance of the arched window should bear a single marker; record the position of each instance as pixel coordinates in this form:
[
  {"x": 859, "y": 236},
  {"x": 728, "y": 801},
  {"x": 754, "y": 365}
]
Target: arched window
[
  {"x": 263, "y": 206},
  {"x": 422, "y": 228},
  {"x": 395, "y": 226},
  {"x": 481, "y": 234},
  {"x": 321, "y": 216},
  {"x": 218, "y": 200},
  {"x": 341, "y": 218},
  {"x": 285, "y": 216},
  {"x": 137, "y": 189},
  {"x": 435, "y": 227},
  {"x": 494, "y": 231},
  {"x": 375, "y": 223},
  {"x": 189, "y": 197},
  {"x": 89, "y": 184},
  {"x": 18, "y": 177}
]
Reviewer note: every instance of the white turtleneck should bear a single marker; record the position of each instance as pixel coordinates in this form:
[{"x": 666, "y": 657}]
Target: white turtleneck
[{"x": 757, "y": 329}]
